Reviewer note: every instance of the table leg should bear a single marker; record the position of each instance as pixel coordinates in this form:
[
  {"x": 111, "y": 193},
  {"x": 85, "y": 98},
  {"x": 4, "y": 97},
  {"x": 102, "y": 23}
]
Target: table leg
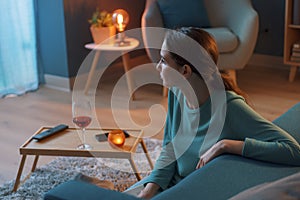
[
  {"x": 165, "y": 91},
  {"x": 92, "y": 70},
  {"x": 17, "y": 182},
  {"x": 137, "y": 174},
  {"x": 125, "y": 58},
  {"x": 293, "y": 71},
  {"x": 34, "y": 163},
  {"x": 146, "y": 152}
]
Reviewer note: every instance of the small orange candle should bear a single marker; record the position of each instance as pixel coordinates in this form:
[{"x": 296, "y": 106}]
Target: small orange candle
[{"x": 116, "y": 137}]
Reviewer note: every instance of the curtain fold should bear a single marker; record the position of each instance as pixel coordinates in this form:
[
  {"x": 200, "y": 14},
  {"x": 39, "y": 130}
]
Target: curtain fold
[{"x": 18, "y": 52}]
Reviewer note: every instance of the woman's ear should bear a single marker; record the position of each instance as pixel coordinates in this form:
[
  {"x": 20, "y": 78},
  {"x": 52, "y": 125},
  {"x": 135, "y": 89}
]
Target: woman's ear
[{"x": 186, "y": 71}]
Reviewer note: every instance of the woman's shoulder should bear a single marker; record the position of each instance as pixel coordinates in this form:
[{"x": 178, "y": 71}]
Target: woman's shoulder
[
  {"x": 175, "y": 93},
  {"x": 174, "y": 90},
  {"x": 232, "y": 97},
  {"x": 237, "y": 103}
]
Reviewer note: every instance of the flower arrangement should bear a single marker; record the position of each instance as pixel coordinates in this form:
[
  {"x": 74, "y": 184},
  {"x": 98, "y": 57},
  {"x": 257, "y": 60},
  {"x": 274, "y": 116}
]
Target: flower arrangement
[
  {"x": 101, "y": 19},
  {"x": 102, "y": 27}
]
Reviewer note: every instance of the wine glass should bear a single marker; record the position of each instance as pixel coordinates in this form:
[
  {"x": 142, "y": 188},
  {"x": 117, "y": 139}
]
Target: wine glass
[{"x": 82, "y": 113}]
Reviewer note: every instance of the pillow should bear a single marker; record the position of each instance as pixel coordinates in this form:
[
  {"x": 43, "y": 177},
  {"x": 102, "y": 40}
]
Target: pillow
[
  {"x": 178, "y": 13},
  {"x": 285, "y": 188}
]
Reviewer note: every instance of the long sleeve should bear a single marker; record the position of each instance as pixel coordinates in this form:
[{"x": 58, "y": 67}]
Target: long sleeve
[
  {"x": 165, "y": 166},
  {"x": 263, "y": 140}
]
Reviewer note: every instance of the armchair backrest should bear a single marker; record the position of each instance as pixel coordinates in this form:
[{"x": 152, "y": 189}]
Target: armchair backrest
[
  {"x": 183, "y": 13},
  {"x": 237, "y": 16}
]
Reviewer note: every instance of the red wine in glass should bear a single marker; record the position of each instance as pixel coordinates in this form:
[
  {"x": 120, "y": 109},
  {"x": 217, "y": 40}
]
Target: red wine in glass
[
  {"x": 82, "y": 121},
  {"x": 82, "y": 112}
]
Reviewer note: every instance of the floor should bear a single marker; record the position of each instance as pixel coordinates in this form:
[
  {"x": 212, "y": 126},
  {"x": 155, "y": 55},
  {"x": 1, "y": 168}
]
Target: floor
[{"x": 268, "y": 88}]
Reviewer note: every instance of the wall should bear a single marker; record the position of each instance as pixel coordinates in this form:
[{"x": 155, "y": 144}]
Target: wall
[
  {"x": 77, "y": 13},
  {"x": 63, "y": 29},
  {"x": 52, "y": 48},
  {"x": 271, "y": 26}
]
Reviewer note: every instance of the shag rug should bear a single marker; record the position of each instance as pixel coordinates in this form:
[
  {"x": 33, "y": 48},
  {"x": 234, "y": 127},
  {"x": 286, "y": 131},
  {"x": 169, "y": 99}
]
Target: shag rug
[{"x": 63, "y": 169}]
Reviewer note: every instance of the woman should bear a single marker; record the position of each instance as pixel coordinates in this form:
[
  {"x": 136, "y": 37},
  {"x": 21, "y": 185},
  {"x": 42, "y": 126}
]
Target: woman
[{"x": 197, "y": 104}]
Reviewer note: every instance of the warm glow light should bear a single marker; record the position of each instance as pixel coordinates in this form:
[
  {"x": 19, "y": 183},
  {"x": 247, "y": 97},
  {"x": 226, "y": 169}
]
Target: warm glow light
[
  {"x": 118, "y": 141},
  {"x": 120, "y": 22},
  {"x": 120, "y": 19},
  {"x": 116, "y": 137}
]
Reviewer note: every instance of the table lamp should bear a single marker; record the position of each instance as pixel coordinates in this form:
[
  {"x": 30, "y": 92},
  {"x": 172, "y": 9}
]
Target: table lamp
[{"x": 120, "y": 19}]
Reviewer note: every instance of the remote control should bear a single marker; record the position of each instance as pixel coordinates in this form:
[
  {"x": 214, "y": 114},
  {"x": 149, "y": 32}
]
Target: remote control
[{"x": 50, "y": 132}]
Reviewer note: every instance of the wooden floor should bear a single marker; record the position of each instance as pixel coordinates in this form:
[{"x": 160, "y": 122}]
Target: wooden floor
[{"x": 269, "y": 90}]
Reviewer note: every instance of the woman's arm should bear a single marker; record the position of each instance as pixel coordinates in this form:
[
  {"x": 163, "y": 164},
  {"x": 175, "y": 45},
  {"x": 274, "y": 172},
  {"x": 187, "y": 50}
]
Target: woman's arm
[
  {"x": 149, "y": 191},
  {"x": 165, "y": 166},
  {"x": 221, "y": 147},
  {"x": 263, "y": 140},
  {"x": 258, "y": 138}
]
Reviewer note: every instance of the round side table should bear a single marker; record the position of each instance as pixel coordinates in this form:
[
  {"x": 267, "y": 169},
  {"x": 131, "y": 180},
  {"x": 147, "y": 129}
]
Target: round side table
[{"x": 125, "y": 58}]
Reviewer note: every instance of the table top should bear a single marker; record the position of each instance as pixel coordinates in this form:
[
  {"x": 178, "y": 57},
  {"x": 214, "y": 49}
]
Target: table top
[
  {"x": 65, "y": 143},
  {"x": 112, "y": 47}
]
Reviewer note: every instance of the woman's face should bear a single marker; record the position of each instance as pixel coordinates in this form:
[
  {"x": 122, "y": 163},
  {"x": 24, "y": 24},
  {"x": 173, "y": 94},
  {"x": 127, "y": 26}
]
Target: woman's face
[{"x": 168, "y": 69}]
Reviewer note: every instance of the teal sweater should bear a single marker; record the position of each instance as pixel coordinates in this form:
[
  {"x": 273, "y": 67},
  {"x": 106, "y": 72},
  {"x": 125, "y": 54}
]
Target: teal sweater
[{"x": 180, "y": 155}]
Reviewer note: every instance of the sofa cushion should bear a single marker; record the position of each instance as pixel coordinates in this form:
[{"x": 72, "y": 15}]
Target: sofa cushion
[
  {"x": 289, "y": 121},
  {"x": 74, "y": 189},
  {"x": 177, "y": 14},
  {"x": 226, "y": 176},
  {"x": 226, "y": 40}
]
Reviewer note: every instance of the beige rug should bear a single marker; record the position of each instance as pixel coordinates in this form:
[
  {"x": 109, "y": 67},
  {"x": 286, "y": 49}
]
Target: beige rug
[{"x": 63, "y": 169}]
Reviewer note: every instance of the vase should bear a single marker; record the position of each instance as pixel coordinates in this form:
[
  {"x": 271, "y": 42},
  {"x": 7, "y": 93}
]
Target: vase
[{"x": 103, "y": 34}]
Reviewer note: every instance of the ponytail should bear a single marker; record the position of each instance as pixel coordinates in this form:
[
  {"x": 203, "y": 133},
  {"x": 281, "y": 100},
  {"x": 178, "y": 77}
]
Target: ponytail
[{"x": 230, "y": 85}]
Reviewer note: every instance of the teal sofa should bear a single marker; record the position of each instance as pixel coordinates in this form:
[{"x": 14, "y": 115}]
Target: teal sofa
[{"x": 223, "y": 178}]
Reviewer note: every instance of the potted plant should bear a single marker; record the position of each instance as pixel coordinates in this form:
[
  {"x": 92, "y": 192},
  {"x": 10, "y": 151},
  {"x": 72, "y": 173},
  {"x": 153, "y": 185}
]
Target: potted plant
[{"x": 102, "y": 26}]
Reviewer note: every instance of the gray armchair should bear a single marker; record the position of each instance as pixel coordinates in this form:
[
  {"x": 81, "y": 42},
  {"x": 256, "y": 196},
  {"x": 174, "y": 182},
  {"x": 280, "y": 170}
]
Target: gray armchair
[{"x": 233, "y": 23}]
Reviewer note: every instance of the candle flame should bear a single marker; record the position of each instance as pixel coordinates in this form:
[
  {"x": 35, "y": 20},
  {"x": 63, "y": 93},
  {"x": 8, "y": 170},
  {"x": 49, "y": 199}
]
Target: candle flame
[{"x": 119, "y": 140}]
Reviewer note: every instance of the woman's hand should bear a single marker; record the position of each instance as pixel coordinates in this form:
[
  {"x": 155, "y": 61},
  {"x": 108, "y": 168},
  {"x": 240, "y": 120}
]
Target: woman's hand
[
  {"x": 149, "y": 191},
  {"x": 221, "y": 147}
]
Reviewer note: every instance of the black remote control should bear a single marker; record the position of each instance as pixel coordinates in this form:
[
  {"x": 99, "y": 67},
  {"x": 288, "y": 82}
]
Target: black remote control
[{"x": 50, "y": 132}]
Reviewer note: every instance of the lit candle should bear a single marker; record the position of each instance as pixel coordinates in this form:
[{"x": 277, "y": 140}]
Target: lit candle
[
  {"x": 116, "y": 137},
  {"x": 120, "y": 22}
]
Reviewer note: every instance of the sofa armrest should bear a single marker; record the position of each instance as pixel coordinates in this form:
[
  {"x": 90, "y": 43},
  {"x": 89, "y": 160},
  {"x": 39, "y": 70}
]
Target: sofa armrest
[
  {"x": 239, "y": 16},
  {"x": 242, "y": 20},
  {"x": 289, "y": 121}
]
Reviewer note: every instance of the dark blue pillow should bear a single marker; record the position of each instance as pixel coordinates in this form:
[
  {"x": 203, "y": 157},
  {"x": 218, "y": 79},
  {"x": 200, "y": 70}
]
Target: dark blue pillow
[{"x": 178, "y": 13}]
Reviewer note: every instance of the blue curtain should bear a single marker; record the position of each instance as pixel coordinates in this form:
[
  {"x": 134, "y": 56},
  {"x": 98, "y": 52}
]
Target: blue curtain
[{"x": 18, "y": 49}]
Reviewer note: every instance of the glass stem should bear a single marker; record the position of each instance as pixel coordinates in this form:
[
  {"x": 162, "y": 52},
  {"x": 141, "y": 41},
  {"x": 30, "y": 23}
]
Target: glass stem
[{"x": 83, "y": 136}]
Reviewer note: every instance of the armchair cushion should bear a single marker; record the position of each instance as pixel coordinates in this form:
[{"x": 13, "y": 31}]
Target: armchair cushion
[
  {"x": 226, "y": 40},
  {"x": 175, "y": 13}
]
